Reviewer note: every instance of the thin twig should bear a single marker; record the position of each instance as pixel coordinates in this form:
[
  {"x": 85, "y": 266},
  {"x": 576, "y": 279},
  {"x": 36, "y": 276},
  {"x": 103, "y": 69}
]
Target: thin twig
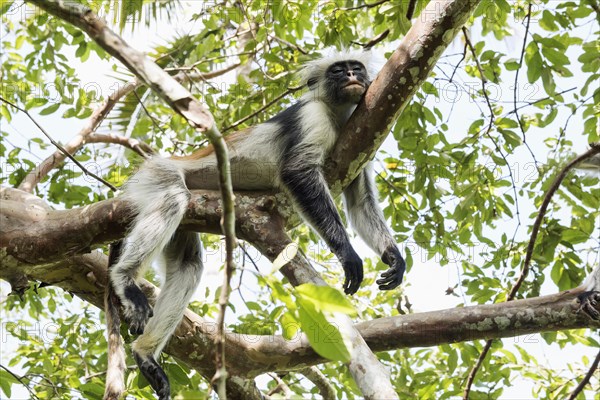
[
  {"x": 201, "y": 76},
  {"x": 516, "y": 87},
  {"x": 488, "y": 134},
  {"x": 372, "y": 42},
  {"x": 410, "y": 9},
  {"x": 464, "y": 55},
  {"x": 20, "y": 379},
  {"x": 475, "y": 369},
  {"x": 58, "y": 146},
  {"x": 586, "y": 379},
  {"x": 289, "y": 44},
  {"x": 154, "y": 121}
]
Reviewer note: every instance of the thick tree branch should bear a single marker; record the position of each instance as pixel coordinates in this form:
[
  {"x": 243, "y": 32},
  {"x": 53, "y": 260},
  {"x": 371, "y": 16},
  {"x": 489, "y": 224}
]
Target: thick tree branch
[{"x": 392, "y": 90}]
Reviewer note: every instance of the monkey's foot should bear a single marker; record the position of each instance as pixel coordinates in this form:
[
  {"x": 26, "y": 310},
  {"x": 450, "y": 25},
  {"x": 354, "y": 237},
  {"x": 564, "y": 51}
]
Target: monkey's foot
[
  {"x": 136, "y": 309},
  {"x": 589, "y": 303},
  {"x": 154, "y": 374}
]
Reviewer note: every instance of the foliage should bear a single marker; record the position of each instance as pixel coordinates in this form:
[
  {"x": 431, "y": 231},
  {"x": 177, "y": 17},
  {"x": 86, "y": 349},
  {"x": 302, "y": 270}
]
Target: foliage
[{"x": 462, "y": 176}]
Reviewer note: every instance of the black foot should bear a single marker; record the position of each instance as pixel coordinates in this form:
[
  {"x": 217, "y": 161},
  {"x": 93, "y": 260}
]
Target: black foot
[
  {"x": 155, "y": 375},
  {"x": 590, "y": 304},
  {"x": 136, "y": 309}
]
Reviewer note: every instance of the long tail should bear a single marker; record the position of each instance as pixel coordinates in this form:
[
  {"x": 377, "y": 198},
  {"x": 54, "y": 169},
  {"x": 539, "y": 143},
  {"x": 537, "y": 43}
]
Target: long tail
[{"x": 115, "y": 372}]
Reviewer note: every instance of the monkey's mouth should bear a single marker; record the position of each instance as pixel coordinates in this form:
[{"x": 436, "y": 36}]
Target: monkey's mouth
[{"x": 354, "y": 84}]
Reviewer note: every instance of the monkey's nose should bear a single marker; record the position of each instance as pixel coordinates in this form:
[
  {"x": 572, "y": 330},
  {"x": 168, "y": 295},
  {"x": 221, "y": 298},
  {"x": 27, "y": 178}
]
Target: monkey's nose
[{"x": 350, "y": 73}]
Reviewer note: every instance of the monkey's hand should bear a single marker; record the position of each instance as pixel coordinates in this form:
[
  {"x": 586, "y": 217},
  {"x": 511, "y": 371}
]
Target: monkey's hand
[
  {"x": 353, "y": 269},
  {"x": 590, "y": 304},
  {"x": 392, "y": 278}
]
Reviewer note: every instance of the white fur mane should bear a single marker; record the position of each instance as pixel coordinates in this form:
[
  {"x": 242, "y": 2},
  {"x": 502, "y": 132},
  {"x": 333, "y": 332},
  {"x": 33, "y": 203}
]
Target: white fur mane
[{"x": 317, "y": 68}]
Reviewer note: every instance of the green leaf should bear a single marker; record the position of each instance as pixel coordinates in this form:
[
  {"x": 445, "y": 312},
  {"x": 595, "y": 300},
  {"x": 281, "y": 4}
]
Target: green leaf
[
  {"x": 49, "y": 110},
  {"x": 324, "y": 336},
  {"x": 5, "y": 113},
  {"x": 290, "y": 326},
  {"x": 19, "y": 41},
  {"x": 534, "y": 62},
  {"x": 574, "y": 236},
  {"x": 511, "y": 65},
  {"x": 325, "y": 298},
  {"x": 4, "y": 7}
]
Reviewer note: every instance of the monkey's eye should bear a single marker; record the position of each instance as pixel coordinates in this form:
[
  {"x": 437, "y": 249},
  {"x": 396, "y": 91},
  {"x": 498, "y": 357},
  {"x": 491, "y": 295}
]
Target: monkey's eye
[
  {"x": 357, "y": 69},
  {"x": 337, "y": 71}
]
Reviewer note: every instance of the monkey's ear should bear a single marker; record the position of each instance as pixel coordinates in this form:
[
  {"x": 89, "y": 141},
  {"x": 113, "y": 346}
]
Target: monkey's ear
[{"x": 312, "y": 83}]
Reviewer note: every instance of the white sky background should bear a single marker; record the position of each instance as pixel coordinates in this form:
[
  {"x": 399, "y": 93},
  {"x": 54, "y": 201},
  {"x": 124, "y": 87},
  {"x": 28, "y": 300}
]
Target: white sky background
[{"x": 427, "y": 281}]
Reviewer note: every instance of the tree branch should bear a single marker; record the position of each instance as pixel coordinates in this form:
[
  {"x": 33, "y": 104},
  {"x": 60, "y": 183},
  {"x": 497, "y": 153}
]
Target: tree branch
[
  {"x": 586, "y": 379},
  {"x": 326, "y": 390},
  {"x": 143, "y": 149},
  {"x": 399, "y": 79}
]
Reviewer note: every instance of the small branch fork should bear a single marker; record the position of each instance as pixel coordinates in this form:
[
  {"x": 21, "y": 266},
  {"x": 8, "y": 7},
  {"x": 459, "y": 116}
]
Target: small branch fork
[{"x": 595, "y": 149}]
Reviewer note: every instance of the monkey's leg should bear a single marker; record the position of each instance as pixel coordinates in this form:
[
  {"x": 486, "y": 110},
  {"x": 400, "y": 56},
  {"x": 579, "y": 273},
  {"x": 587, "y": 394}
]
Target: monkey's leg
[
  {"x": 161, "y": 198},
  {"x": 183, "y": 269}
]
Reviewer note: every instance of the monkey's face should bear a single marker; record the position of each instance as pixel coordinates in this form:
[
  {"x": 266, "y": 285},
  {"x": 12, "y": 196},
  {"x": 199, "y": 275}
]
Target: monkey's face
[{"x": 346, "y": 82}]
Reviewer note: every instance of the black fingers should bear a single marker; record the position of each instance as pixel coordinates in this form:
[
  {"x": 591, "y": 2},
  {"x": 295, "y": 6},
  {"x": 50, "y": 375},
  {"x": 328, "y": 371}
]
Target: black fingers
[
  {"x": 155, "y": 375},
  {"x": 136, "y": 310},
  {"x": 392, "y": 278},
  {"x": 353, "y": 269}
]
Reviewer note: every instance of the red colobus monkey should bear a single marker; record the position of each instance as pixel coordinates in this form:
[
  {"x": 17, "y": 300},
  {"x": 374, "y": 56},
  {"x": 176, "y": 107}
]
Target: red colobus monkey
[{"x": 289, "y": 149}]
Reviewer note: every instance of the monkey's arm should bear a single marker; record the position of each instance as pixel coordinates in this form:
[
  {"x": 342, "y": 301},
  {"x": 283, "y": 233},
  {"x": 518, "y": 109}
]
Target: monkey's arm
[
  {"x": 368, "y": 221},
  {"x": 306, "y": 185}
]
